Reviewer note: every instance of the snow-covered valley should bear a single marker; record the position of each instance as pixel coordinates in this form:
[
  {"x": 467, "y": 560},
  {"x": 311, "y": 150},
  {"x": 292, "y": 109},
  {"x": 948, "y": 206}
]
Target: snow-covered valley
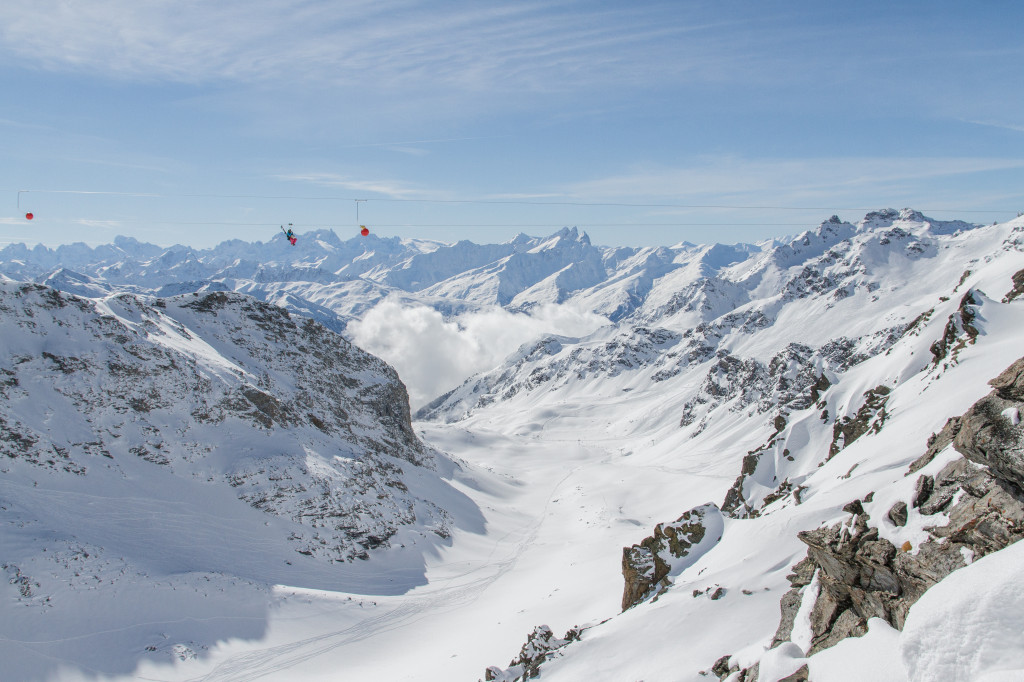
[{"x": 204, "y": 487}]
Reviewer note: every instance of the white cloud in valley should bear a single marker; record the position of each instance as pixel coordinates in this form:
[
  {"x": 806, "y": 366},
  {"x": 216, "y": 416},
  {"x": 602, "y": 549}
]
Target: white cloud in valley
[{"x": 433, "y": 354}]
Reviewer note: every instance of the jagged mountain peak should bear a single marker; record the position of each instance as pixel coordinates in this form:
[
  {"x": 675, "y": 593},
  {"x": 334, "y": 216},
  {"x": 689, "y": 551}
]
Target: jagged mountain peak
[
  {"x": 719, "y": 256},
  {"x": 567, "y": 236},
  {"x": 912, "y": 220},
  {"x": 813, "y": 243}
]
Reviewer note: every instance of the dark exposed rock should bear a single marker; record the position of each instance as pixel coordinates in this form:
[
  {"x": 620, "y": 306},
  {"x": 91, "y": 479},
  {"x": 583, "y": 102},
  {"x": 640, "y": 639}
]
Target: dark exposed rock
[
  {"x": 959, "y": 332},
  {"x": 870, "y": 417},
  {"x": 989, "y": 437},
  {"x": 721, "y": 667},
  {"x": 1018, "y": 287},
  {"x": 541, "y": 645},
  {"x": 818, "y": 388},
  {"x": 734, "y": 504},
  {"x": 1010, "y": 384},
  {"x": 802, "y": 575},
  {"x": 915, "y": 326},
  {"x": 923, "y": 490},
  {"x": 898, "y": 514},
  {"x": 862, "y": 575},
  {"x": 937, "y": 443},
  {"x": 792, "y": 380},
  {"x": 647, "y": 564},
  {"x": 987, "y": 432}
]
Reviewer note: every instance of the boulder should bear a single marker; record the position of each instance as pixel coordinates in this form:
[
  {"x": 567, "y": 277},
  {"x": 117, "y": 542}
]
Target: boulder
[
  {"x": 671, "y": 548},
  {"x": 898, "y": 514}
]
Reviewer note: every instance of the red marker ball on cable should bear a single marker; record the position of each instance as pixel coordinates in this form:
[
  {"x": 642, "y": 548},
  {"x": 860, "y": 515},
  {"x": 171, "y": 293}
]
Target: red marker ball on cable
[
  {"x": 365, "y": 231},
  {"x": 29, "y": 216}
]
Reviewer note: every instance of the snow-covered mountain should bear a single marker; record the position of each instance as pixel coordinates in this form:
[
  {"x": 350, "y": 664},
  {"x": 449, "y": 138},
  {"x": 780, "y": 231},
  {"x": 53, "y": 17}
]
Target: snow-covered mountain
[
  {"x": 208, "y": 443},
  {"x": 763, "y": 463},
  {"x": 817, "y": 371},
  {"x": 336, "y": 282}
]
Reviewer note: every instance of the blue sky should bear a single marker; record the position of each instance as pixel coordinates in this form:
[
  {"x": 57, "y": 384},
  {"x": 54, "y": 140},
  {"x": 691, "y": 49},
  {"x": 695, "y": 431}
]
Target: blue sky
[{"x": 190, "y": 121}]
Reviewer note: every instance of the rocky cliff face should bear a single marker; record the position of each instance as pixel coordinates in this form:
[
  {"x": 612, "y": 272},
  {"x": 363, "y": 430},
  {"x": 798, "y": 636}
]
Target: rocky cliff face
[
  {"x": 220, "y": 388},
  {"x": 974, "y": 505}
]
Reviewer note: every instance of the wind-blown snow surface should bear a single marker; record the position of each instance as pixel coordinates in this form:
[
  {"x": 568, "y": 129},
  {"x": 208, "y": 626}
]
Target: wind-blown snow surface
[
  {"x": 577, "y": 447},
  {"x": 960, "y": 632}
]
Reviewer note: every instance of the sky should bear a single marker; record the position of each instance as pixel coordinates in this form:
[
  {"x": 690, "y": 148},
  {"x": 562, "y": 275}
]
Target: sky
[{"x": 646, "y": 123}]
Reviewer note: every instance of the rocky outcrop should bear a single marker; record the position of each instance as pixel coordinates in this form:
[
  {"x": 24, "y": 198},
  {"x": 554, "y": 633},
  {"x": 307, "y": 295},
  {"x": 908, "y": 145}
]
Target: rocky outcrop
[
  {"x": 1018, "y": 287},
  {"x": 792, "y": 380},
  {"x": 959, "y": 332},
  {"x": 735, "y": 504},
  {"x": 990, "y": 432},
  {"x": 648, "y": 565},
  {"x": 541, "y": 645},
  {"x": 977, "y": 502},
  {"x": 870, "y": 417}
]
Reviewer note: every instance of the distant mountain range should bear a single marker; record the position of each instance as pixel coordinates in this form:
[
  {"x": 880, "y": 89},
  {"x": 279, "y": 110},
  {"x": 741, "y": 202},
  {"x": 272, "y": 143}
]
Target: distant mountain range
[{"x": 335, "y": 281}]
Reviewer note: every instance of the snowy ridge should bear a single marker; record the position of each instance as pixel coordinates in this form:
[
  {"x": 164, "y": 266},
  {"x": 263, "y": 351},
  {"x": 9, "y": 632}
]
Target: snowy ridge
[
  {"x": 739, "y": 435},
  {"x": 743, "y": 322}
]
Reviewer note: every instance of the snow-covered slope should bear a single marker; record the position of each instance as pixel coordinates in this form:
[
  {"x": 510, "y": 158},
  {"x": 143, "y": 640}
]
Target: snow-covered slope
[
  {"x": 816, "y": 374},
  {"x": 685, "y": 493},
  {"x": 205, "y": 444}
]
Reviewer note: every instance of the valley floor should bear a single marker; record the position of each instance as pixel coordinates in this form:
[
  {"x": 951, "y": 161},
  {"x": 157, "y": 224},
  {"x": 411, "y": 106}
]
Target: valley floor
[{"x": 557, "y": 510}]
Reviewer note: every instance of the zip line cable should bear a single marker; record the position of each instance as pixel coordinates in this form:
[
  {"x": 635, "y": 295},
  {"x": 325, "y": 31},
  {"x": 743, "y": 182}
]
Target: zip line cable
[
  {"x": 86, "y": 222},
  {"x": 114, "y": 223}
]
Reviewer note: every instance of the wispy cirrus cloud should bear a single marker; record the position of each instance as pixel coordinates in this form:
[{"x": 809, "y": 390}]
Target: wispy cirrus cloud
[
  {"x": 779, "y": 180},
  {"x": 474, "y": 46},
  {"x": 738, "y": 183},
  {"x": 524, "y": 196},
  {"x": 101, "y": 224},
  {"x": 1003, "y": 125},
  {"x": 387, "y": 188},
  {"x": 406, "y": 145}
]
